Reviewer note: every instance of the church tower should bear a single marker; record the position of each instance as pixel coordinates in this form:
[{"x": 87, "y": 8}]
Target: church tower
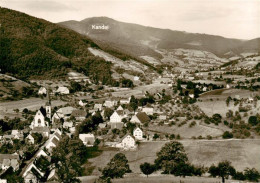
[{"x": 48, "y": 106}]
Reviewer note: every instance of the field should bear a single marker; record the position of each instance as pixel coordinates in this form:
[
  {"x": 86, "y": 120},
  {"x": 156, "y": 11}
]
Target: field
[
  {"x": 6, "y": 108},
  {"x": 186, "y": 132},
  {"x": 155, "y": 178},
  {"x": 215, "y": 101},
  {"x": 242, "y": 153}
]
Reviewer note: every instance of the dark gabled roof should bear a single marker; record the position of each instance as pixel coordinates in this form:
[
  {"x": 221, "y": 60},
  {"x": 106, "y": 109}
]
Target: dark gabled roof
[
  {"x": 55, "y": 141},
  {"x": 8, "y": 156},
  {"x": 40, "y": 129},
  {"x": 57, "y": 135},
  {"x": 79, "y": 113},
  {"x": 142, "y": 116},
  {"x": 120, "y": 112},
  {"x": 43, "y": 111}
]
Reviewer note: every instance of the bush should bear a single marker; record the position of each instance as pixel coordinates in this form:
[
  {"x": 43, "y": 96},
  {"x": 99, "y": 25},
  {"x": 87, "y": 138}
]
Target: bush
[{"x": 227, "y": 135}]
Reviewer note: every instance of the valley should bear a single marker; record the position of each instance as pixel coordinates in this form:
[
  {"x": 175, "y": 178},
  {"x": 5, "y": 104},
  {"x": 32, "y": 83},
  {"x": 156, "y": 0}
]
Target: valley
[{"x": 78, "y": 103}]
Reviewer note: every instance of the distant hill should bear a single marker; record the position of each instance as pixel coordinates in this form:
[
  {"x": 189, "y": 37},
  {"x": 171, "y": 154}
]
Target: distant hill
[
  {"x": 35, "y": 48},
  {"x": 141, "y": 40}
]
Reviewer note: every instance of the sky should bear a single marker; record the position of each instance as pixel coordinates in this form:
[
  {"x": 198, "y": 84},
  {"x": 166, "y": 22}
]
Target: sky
[{"x": 229, "y": 18}]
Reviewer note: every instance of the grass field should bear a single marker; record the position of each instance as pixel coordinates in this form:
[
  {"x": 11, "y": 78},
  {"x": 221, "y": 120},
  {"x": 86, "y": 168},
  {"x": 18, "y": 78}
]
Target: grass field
[
  {"x": 218, "y": 102},
  {"x": 155, "y": 178},
  {"x": 6, "y": 108},
  {"x": 242, "y": 153},
  {"x": 186, "y": 132}
]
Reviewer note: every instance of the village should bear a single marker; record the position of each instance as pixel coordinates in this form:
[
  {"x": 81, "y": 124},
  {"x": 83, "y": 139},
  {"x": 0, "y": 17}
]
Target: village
[{"x": 119, "y": 118}]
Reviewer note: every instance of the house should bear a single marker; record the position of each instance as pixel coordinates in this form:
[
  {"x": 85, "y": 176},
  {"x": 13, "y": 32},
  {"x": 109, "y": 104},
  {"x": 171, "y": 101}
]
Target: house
[
  {"x": 83, "y": 102},
  {"x": 120, "y": 108},
  {"x": 42, "y": 91},
  {"x": 138, "y": 133},
  {"x": 136, "y": 78},
  {"x": 51, "y": 144},
  {"x": 9, "y": 160},
  {"x": 62, "y": 113},
  {"x": 53, "y": 176},
  {"x": 117, "y": 116},
  {"x": 30, "y": 139},
  {"x": 30, "y": 178},
  {"x": 148, "y": 110},
  {"x": 79, "y": 114},
  {"x": 191, "y": 95},
  {"x": 125, "y": 101},
  {"x": 162, "y": 117},
  {"x": 98, "y": 107},
  {"x": 45, "y": 131},
  {"x": 3, "y": 180},
  {"x": 63, "y": 90},
  {"x": 140, "y": 117},
  {"x": 117, "y": 125},
  {"x": 39, "y": 119},
  {"x": 128, "y": 142},
  {"x": 87, "y": 139},
  {"x": 110, "y": 103},
  {"x": 17, "y": 134},
  {"x": 28, "y": 174}
]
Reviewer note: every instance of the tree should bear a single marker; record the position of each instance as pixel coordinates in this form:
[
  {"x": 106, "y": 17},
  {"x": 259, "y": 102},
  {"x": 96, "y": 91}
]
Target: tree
[
  {"x": 147, "y": 168},
  {"x": 170, "y": 155},
  {"x": 68, "y": 157},
  {"x": 227, "y": 135},
  {"x": 252, "y": 174},
  {"x": 117, "y": 167},
  {"x": 224, "y": 169},
  {"x": 253, "y": 120},
  {"x": 108, "y": 112}
]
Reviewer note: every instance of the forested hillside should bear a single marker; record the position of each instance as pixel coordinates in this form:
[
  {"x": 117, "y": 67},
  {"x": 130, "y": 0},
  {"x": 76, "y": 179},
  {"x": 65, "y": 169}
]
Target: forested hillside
[{"x": 35, "y": 48}]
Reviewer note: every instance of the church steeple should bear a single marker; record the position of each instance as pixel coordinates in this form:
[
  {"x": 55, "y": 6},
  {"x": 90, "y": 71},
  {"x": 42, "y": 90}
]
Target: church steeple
[{"x": 48, "y": 106}]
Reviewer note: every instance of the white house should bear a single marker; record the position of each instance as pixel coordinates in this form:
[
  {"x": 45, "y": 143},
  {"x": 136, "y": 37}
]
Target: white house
[
  {"x": 63, "y": 90},
  {"x": 9, "y": 160},
  {"x": 138, "y": 133},
  {"x": 30, "y": 139},
  {"x": 128, "y": 142},
  {"x": 83, "y": 102},
  {"x": 51, "y": 144},
  {"x": 110, "y": 103},
  {"x": 125, "y": 101},
  {"x": 120, "y": 108},
  {"x": 117, "y": 116},
  {"x": 87, "y": 139},
  {"x": 42, "y": 91},
  {"x": 148, "y": 110},
  {"x": 98, "y": 107}
]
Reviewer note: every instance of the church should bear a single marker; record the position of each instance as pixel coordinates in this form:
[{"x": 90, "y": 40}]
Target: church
[{"x": 40, "y": 123}]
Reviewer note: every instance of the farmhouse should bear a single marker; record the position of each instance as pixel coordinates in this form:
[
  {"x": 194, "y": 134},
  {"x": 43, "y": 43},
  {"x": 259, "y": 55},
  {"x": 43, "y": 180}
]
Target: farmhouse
[
  {"x": 110, "y": 103},
  {"x": 87, "y": 139},
  {"x": 98, "y": 107},
  {"x": 9, "y": 160},
  {"x": 138, "y": 133},
  {"x": 42, "y": 91},
  {"x": 30, "y": 139},
  {"x": 45, "y": 131},
  {"x": 79, "y": 114},
  {"x": 83, "y": 102},
  {"x": 140, "y": 117},
  {"x": 117, "y": 116},
  {"x": 148, "y": 110},
  {"x": 63, "y": 90},
  {"x": 127, "y": 143}
]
